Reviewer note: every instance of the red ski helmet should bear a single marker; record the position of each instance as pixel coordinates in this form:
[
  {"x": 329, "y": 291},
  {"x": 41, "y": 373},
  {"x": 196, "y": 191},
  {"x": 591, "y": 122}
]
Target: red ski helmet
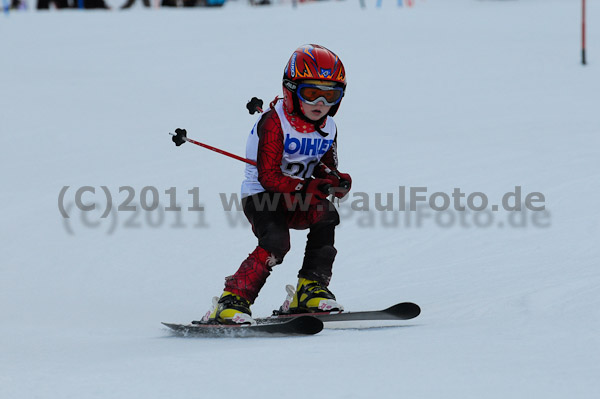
[{"x": 311, "y": 62}]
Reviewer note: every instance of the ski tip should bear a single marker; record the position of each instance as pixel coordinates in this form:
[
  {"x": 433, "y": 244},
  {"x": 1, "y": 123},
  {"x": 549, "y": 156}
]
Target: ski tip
[
  {"x": 308, "y": 325},
  {"x": 173, "y": 326},
  {"x": 404, "y": 310}
]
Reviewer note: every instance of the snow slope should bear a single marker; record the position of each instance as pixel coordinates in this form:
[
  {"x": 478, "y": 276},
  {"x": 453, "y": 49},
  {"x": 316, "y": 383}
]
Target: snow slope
[{"x": 478, "y": 95}]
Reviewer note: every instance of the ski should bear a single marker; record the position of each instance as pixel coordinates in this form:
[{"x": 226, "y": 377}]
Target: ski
[
  {"x": 301, "y": 325},
  {"x": 400, "y": 311}
]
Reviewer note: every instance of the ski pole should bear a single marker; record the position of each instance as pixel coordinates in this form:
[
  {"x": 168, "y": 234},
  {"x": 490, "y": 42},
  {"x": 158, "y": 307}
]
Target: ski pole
[{"x": 180, "y": 137}]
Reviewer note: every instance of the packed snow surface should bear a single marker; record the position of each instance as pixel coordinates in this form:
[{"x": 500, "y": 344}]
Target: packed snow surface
[{"x": 483, "y": 96}]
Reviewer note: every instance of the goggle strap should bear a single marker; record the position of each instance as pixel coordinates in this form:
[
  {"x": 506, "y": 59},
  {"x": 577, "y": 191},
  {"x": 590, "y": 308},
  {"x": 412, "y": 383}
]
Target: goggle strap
[{"x": 292, "y": 86}]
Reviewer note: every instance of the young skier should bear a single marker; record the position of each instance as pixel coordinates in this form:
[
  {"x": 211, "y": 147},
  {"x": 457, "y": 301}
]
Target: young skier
[{"x": 294, "y": 145}]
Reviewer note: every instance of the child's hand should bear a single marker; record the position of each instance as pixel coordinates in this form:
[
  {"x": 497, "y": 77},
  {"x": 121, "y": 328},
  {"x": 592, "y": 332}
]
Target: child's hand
[
  {"x": 317, "y": 189},
  {"x": 344, "y": 186},
  {"x": 341, "y": 184}
]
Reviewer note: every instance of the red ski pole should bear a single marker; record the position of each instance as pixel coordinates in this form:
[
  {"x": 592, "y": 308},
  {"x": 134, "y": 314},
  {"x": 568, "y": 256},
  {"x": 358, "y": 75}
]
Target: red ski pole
[{"x": 180, "y": 137}]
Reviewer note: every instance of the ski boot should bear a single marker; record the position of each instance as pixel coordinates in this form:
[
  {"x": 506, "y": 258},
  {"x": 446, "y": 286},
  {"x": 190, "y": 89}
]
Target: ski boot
[
  {"x": 229, "y": 309},
  {"x": 311, "y": 296}
]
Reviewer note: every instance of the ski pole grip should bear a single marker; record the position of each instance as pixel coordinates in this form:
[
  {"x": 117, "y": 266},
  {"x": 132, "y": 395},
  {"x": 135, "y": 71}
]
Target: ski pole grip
[
  {"x": 345, "y": 184},
  {"x": 325, "y": 188},
  {"x": 179, "y": 137},
  {"x": 254, "y": 105}
]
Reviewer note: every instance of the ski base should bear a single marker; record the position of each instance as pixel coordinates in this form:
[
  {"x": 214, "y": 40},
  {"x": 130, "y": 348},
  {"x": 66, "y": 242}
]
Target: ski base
[{"x": 302, "y": 325}]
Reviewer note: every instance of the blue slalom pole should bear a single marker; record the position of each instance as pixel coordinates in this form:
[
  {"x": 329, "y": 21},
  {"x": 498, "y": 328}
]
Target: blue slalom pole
[
  {"x": 80, "y": 4},
  {"x": 6, "y": 6}
]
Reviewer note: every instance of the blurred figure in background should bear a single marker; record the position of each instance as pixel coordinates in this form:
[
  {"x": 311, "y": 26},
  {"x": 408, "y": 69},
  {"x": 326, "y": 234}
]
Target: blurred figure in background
[
  {"x": 60, "y": 4},
  {"x": 192, "y": 3},
  {"x": 18, "y": 5},
  {"x": 45, "y": 4},
  {"x": 131, "y": 2},
  {"x": 90, "y": 4},
  {"x": 178, "y": 3}
]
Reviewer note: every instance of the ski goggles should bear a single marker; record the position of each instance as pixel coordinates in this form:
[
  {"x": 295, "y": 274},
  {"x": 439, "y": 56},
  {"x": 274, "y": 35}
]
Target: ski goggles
[{"x": 313, "y": 93}]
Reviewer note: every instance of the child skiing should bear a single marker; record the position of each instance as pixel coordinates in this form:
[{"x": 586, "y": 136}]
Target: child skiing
[{"x": 294, "y": 146}]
